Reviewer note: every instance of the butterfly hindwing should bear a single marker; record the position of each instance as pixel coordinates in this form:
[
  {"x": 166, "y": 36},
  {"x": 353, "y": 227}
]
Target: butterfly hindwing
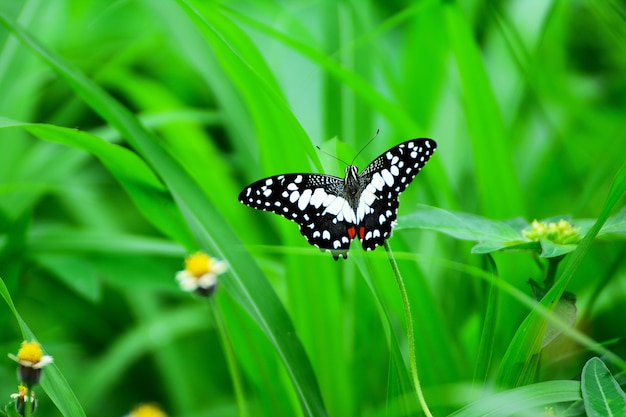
[
  {"x": 386, "y": 177},
  {"x": 313, "y": 201}
]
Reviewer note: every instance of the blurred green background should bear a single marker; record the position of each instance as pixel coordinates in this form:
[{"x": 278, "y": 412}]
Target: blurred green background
[{"x": 526, "y": 100}]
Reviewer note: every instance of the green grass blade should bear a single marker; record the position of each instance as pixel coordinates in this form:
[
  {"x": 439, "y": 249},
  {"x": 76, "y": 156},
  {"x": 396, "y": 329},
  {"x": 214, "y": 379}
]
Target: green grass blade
[
  {"x": 134, "y": 175},
  {"x": 488, "y": 335},
  {"x": 496, "y": 182}
]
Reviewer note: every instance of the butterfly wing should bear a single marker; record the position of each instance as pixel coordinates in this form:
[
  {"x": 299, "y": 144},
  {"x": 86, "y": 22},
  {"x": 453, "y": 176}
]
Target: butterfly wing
[
  {"x": 313, "y": 201},
  {"x": 382, "y": 181}
]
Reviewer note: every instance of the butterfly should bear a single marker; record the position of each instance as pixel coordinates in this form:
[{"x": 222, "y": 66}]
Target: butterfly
[{"x": 332, "y": 211}]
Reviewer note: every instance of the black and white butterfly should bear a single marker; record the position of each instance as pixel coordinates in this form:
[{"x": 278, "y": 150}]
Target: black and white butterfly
[{"x": 332, "y": 211}]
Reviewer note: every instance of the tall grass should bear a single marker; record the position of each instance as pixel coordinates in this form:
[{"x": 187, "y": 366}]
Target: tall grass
[{"x": 129, "y": 128}]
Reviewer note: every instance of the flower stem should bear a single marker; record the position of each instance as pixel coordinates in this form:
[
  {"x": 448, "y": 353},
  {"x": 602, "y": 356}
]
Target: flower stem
[
  {"x": 553, "y": 264},
  {"x": 230, "y": 358},
  {"x": 409, "y": 330},
  {"x": 27, "y": 401}
]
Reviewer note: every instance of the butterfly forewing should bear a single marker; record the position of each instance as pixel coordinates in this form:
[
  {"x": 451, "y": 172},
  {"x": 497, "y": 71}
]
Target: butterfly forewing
[
  {"x": 332, "y": 211},
  {"x": 386, "y": 177},
  {"x": 313, "y": 201}
]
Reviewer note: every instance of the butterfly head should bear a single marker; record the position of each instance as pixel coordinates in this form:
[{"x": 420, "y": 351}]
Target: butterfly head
[{"x": 351, "y": 181}]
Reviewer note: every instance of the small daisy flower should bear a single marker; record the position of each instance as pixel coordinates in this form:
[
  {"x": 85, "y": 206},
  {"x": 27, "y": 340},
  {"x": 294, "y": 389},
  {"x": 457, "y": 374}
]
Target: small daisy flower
[
  {"x": 200, "y": 274},
  {"x": 31, "y": 360},
  {"x": 147, "y": 410},
  {"x": 21, "y": 398},
  {"x": 561, "y": 232}
]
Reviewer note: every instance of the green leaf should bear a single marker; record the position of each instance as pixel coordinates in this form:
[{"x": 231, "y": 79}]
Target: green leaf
[
  {"x": 494, "y": 235},
  {"x": 460, "y": 225},
  {"x": 516, "y": 367},
  {"x": 602, "y": 395},
  {"x": 565, "y": 310},
  {"x": 519, "y": 399},
  {"x": 550, "y": 249}
]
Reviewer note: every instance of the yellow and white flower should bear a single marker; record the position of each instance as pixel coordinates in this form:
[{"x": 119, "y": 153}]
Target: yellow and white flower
[{"x": 200, "y": 273}]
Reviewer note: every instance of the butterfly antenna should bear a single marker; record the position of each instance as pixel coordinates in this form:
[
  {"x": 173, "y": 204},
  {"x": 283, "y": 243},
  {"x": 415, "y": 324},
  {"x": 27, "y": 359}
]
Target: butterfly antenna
[
  {"x": 359, "y": 152},
  {"x": 331, "y": 155}
]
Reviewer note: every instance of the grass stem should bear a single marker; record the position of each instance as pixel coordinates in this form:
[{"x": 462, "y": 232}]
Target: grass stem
[
  {"x": 231, "y": 360},
  {"x": 409, "y": 328}
]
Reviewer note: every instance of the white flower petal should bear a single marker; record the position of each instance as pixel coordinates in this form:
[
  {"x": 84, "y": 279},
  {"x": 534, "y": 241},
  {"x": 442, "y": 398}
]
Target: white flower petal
[
  {"x": 45, "y": 360},
  {"x": 186, "y": 281},
  {"x": 217, "y": 267},
  {"x": 207, "y": 280}
]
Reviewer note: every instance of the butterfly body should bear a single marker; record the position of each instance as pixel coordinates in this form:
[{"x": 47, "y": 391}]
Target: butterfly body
[{"x": 332, "y": 211}]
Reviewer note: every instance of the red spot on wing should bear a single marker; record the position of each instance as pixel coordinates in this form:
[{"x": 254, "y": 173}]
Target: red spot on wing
[
  {"x": 351, "y": 232},
  {"x": 361, "y": 232}
]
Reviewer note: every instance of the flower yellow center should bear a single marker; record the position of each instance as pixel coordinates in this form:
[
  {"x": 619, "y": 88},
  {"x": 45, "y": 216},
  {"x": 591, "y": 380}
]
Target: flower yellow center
[
  {"x": 562, "y": 233},
  {"x": 198, "y": 264},
  {"x": 30, "y": 351},
  {"x": 22, "y": 391},
  {"x": 147, "y": 410}
]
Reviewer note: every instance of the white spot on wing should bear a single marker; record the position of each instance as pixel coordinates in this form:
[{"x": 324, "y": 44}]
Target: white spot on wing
[
  {"x": 294, "y": 196},
  {"x": 329, "y": 199},
  {"x": 335, "y": 206},
  {"x": 387, "y": 177},
  {"x": 318, "y": 197},
  {"x": 304, "y": 199},
  {"x": 367, "y": 196},
  {"x": 378, "y": 181},
  {"x": 362, "y": 210},
  {"x": 326, "y": 235}
]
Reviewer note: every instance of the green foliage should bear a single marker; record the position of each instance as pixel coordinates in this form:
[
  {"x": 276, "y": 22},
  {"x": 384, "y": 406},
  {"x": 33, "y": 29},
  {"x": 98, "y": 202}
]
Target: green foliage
[
  {"x": 601, "y": 392},
  {"x": 127, "y": 130}
]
